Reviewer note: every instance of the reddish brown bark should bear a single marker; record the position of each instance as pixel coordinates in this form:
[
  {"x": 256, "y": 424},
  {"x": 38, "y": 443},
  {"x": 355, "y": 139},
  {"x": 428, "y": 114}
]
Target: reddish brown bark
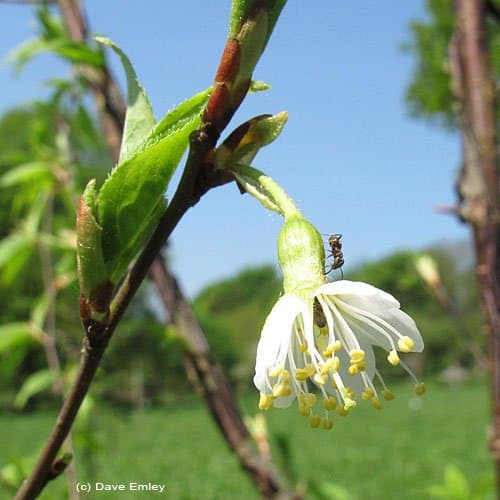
[{"x": 477, "y": 185}]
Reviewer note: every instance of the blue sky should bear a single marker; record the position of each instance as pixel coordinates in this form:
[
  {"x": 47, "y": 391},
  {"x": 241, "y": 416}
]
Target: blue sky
[{"x": 350, "y": 156}]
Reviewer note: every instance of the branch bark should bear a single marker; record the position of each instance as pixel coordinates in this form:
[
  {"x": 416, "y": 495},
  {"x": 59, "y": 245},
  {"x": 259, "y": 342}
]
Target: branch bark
[{"x": 477, "y": 185}]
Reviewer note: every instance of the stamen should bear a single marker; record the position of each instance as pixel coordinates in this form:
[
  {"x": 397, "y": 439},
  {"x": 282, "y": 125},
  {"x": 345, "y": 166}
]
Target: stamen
[
  {"x": 305, "y": 373},
  {"x": 320, "y": 379},
  {"x": 281, "y": 390},
  {"x": 405, "y": 344},
  {"x": 393, "y": 358},
  {"x": 411, "y": 374},
  {"x": 420, "y": 389},
  {"x": 357, "y": 355},
  {"x": 329, "y": 403},
  {"x": 387, "y": 395},
  {"x": 266, "y": 402},
  {"x": 314, "y": 421},
  {"x": 366, "y": 314},
  {"x": 367, "y": 394},
  {"x": 327, "y": 424},
  {"x": 346, "y": 333}
]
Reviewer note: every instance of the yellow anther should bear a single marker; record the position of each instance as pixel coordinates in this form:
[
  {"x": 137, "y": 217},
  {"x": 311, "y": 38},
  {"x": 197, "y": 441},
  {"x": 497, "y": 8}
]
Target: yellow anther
[
  {"x": 327, "y": 424},
  {"x": 334, "y": 384},
  {"x": 367, "y": 394},
  {"x": 336, "y": 346},
  {"x": 310, "y": 399},
  {"x": 336, "y": 363},
  {"x": 303, "y": 347},
  {"x": 275, "y": 372},
  {"x": 327, "y": 366},
  {"x": 329, "y": 350},
  {"x": 376, "y": 403},
  {"x": 387, "y": 395},
  {"x": 323, "y": 330},
  {"x": 353, "y": 370},
  {"x": 320, "y": 379},
  {"x": 266, "y": 401},
  {"x": 393, "y": 358},
  {"x": 341, "y": 411},
  {"x": 405, "y": 344},
  {"x": 357, "y": 355},
  {"x": 285, "y": 376},
  {"x": 349, "y": 392},
  {"x": 361, "y": 366},
  {"x": 420, "y": 389},
  {"x": 329, "y": 403},
  {"x": 280, "y": 390},
  {"x": 349, "y": 404},
  {"x": 314, "y": 421},
  {"x": 304, "y": 410},
  {"x": 303, "y": 373}
]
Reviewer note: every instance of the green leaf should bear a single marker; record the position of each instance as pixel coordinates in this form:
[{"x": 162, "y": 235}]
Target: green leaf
[
  {"x": 334, "y": 491},
  {"x": 39, "y": 311},
  {"x": 140, "y": 119},
  {"x": 12, "y": 245},
  {"x": 79, "y": 53},
  {"x": 180, "y": 116},
  {"x": 31, "y": 222},
  {"x": 34, "y": 172},
  {"x": 74, "y": 52},
  {"x": 258, "y": 86},
  {"x": 456, "y": 482},
  {"x": 13, "y": 335},
  {"x": 132, "y": 198},
  {"x": 35, "y": 383}
]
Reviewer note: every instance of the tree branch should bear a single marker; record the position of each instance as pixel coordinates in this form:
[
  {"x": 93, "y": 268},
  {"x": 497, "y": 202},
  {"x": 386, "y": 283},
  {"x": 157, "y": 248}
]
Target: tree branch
[{"x": 478, "y": 186}]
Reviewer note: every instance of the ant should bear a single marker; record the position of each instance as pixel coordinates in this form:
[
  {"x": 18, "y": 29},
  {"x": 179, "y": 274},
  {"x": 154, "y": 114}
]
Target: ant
[{"x": 336, "y": 253}]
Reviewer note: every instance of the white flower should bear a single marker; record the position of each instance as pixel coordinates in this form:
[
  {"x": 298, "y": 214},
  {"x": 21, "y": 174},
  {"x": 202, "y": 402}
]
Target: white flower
[{"x": 323, "y": 337}]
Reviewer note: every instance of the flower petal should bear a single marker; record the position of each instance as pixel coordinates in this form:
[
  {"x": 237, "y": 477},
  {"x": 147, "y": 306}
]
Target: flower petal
[
  {"x": 373, "y": 302},
  {"x": 275, "y": 339}
]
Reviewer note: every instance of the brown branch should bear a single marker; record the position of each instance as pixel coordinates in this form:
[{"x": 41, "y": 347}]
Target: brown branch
[
  {"x": 477, "y": 185},
  {"x": 198, "y": 177},
  {"x": 105, "y": 91}
]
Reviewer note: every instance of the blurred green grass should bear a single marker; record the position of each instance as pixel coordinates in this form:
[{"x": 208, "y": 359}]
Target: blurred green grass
[{"x": 390, "y": 454}]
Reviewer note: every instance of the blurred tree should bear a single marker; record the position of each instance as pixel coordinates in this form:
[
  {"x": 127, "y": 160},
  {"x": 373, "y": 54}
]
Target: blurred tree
[
  {"x": 456, "y": 81},
  {"x": 429, "y": 94}
]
